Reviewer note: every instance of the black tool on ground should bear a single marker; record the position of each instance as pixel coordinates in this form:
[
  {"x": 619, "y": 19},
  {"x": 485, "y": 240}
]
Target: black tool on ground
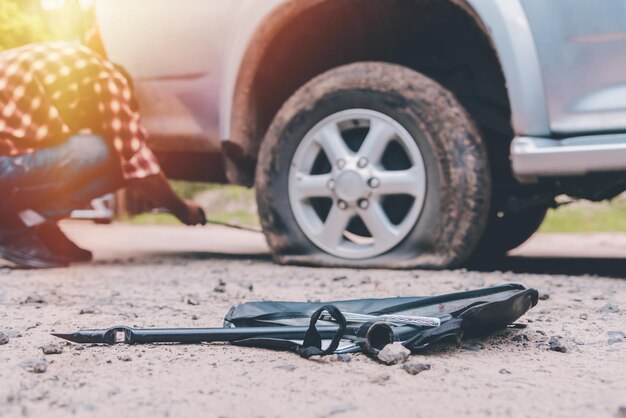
[{"x": 321, "y": 328}]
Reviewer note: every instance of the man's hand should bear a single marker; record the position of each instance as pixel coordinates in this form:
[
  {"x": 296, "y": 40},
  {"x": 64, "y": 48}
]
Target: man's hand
[
  {"x": 191, "y": 214},
  {"x": 159, "y": 191}
]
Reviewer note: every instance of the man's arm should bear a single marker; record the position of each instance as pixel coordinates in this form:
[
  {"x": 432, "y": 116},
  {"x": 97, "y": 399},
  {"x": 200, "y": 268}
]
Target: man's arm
[{"x": 159, "y": 191}]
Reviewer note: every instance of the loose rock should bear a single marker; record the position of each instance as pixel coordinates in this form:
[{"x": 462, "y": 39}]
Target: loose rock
[
  {"x": 35, "y": 365},
  {"x": 34, "y": 299},
  {"x": 544, "y": 295},
  {"x": 52, "y": 349},
  {"x": 343, "y": 358},
  {"x": 615, "y": 337},
  {"x": 472, "y": 346},
  {"x": 557, "y": 345},
  {"x": 221, "y": 287},
  {"x": 394, "y": 354},
  {"x": 192, "y": 300},
  {"x": 583, "y": 316},
  {"x": 88, "y": 311},
  {"x": 380, "y": 378},
  {"x": 504, "y": 371},
  {"x": 12, "y": 333},
  {"x": 414, "y": 367},
  {"x": 609, "y": 308},
  {"x": 124, "y": 357},
  {"x": 286, "y": 367},
  {"x": 4, "y": 339}
]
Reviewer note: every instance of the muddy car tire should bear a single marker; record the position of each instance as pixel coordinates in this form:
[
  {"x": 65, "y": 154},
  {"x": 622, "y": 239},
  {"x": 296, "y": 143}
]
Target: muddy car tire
[{"x": 454, "y": 202}]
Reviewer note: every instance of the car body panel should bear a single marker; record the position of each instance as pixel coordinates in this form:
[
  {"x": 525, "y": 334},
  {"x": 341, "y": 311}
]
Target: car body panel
[
  {"x": 187, "y": 61},
  {"x": 176, "y": 55},
  {"x": 582, "y": 51},
  {"x": 204, "y": 45},
  {"x": 512, "y": 38}
]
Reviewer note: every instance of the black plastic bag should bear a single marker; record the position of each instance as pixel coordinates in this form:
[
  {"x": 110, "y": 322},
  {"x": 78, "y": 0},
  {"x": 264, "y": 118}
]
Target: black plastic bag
[{"x": 471, "y": 313}]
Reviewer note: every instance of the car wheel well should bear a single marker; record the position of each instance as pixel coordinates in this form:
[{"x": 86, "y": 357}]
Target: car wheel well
[{"x": 440, "y": 39}]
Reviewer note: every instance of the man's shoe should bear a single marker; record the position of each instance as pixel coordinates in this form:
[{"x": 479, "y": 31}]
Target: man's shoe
[
  {"x": 60, "y": 245},
  {"x": 22, "y": 247}
]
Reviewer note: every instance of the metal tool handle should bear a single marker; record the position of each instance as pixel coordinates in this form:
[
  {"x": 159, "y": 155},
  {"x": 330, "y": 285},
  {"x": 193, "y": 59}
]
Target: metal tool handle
[{"x": 422, "y": 321}]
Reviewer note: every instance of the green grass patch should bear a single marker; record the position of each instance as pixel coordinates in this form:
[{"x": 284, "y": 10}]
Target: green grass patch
[
  {"x": 188, "y": 190},
  {"x": 226, "y": 204},
  {"x": 235, "y": 205},
  {"x": 587, "y": 217},
  {"x": 152, "y": 219}
]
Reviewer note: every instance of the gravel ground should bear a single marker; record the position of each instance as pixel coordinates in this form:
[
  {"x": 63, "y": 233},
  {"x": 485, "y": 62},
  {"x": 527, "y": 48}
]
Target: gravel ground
[{"x": 568, "y": 362}]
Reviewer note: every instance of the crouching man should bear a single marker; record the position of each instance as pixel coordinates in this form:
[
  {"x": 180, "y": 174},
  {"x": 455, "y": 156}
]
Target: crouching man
[{"x": 70, "y": 131}]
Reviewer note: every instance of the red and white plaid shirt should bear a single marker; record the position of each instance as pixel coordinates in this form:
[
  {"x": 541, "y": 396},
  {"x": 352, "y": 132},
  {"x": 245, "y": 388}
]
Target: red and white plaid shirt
[{"x": 51, "y": 91}]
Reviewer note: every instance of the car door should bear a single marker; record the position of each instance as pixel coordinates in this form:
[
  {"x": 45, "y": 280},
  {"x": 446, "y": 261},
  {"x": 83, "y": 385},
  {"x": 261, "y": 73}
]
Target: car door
[
  {"x": 174, "y": 51},
  {"x": 582, "y": 51}
]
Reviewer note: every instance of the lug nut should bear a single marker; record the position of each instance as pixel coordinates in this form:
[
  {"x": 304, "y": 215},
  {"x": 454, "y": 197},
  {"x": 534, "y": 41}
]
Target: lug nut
[
  {"x": 363, "y": 162},
  {"x": 341, "y": 164},
  {"x": 364, "y": 204},
  {"x": 374, "y": 183},
  {"x": 342, "y": 205},
  {"x": 331, "y": 184}
]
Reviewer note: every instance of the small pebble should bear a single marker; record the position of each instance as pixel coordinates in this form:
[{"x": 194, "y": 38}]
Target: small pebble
[
  {"x": 4, "y": 339},
  {"x": 379, "y": 378},
  {"x": 583, "y": 316},
  {"x": 52, "y": 348},
  {"x": 35, "y": 365},
  {"x": 192, "y": 300},
  {"x": 124, "y": 357},
  {"x": 394, "y": 354},
  {"x": 472, "y": 346},
  {"x": 343, "y": 358},
  {"x": 12, "y": 333},
  {"x": 195, "y": 317},
  {"x": 221, "y": 287},
  {"x": 34, "y": 299},
  {"x": 414, "y": 367},
  {"x": 504, "y": 371},
  {"x": 286, "y": 367},
  {"x": 557, "y": 345},
  {"x": 615, "y": 337},
  {"x": 609, "y": 308},
  {"x": 88, "y": 311}
]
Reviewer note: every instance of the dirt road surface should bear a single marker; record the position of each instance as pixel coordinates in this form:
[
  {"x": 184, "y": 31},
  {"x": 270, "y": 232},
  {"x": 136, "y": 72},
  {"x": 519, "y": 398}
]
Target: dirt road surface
[{"x": 170, "y": 277}]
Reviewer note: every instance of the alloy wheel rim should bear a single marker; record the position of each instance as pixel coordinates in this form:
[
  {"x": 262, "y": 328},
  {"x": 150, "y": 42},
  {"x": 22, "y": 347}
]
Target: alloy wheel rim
[{"x": 357, "y": 184}]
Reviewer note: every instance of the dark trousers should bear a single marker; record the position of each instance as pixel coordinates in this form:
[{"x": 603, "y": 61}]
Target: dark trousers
[{"x": 55, "y": 181}]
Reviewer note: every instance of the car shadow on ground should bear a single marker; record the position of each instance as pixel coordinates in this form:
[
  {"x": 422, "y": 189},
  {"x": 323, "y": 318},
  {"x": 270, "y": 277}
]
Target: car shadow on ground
[
  {"x": 156, "y": 258},
  {"x": 568, "y": 266}
]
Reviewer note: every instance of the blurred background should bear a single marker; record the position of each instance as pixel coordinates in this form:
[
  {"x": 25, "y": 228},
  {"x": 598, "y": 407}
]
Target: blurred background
[{"x": 26, "y": 21}]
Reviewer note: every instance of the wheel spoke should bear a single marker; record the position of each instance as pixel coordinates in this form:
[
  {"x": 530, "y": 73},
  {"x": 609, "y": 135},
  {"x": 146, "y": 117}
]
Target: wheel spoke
[
  {"x": 378, "y": 224},
  {"x": 313, "y": 186},
  {"x": 335, "y": 225},
  {"x": 331, "y": 141},
  {"x": 376, "y": 141},
  {"x": 406, "y": 182}
]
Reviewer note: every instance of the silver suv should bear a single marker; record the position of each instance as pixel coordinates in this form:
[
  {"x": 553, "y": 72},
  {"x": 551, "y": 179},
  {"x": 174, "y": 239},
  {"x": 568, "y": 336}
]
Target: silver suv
[{"x": 391, "y": 133}]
